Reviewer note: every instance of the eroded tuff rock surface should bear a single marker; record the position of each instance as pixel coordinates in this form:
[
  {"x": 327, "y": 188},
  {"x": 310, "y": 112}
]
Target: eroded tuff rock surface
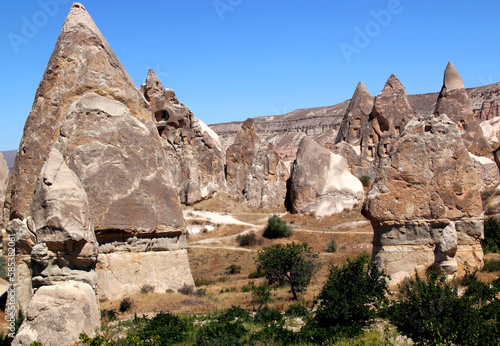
[
  {"x": 81, "y": 62},
  {"x": 194, "y": 151},
  {"x": 454, "y": 102},
  {"x": 427, "y": 184},
  {"x": 4, "y": 180},
  {"x": 103, "y": 218},
  {"x": 63, "y": 258},
  {"x": 254, "y": 170},
  {"x": 321, "y": 182}
]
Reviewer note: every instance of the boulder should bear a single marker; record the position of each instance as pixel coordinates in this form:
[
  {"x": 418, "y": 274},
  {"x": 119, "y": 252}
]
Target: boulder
[
  {"x": 82, "y": 62},
  {"x": 491, "y": 130},
  {"x": 454, "y": 102},
  {"x": 57, "y": 314},
  {"x": 321, "y": 183},
  {"x": 239, "y": 158},
  {"x": 427, "y": 184},
  {"x": 194, "y": 152},
  {"x": 266, "y": 182}
]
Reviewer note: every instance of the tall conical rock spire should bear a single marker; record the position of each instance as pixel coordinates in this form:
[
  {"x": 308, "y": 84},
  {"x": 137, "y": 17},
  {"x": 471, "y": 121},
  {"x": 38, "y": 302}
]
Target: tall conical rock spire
[
  {"x": 454, "y": 102},
  {"x": 82, "y": 62}
]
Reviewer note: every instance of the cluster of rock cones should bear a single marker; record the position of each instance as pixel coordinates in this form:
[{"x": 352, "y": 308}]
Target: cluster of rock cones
[{"x": 94, "y": 198}]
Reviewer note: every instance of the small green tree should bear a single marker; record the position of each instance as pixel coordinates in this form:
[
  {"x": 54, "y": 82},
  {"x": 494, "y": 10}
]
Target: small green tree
[
  {"x": 276, "y": 228},
  {"x": 491, "y": 242},
  {"x": 332, "y": 246},
  {"x": 291, "y": 264},
  {"x": 261, "y": 294},
  {"x": 352, "y": 294}
]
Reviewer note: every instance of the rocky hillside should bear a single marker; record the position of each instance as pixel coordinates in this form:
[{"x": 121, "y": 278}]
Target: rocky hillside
[{"x": 285, "y": 131}]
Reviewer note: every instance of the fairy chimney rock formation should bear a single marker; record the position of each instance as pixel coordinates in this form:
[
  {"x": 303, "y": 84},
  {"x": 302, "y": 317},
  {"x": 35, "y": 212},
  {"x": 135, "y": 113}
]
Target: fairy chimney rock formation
[
  {"x": 103, "y": 217},
  {"x": 194, "y": 152},
  {"x": 454, "y": 102},
  {"x": 321, "y": 183},
  {"x": 426, "y": 190},
  {"x": 356, "y": 117}
]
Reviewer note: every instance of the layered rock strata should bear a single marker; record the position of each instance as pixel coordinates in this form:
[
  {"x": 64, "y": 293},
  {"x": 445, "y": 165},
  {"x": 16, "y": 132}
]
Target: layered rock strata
[
  {"x": 425, "y": 205},
  {"x": 321, "y": 183}
]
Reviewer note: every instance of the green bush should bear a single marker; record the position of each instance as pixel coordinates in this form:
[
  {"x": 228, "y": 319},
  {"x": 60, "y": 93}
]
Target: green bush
[
  {"x": 431, "y": 311},
  {"x": 233, "y": 313},
  {"x": 332, "y": 246},
  {"x": 276, "y": 228},
  {"x": 351, "y": 295},
  {"x": 108, "y": 315},
  {"x": 255, "y": 274},
  {"x": 297, "y": 310},
  {"x": 290, "y": 264},
  {"x": 222, "y": 333},
  {"x": 125, "y": 305},
  {"x": 233, "y": 269},
  {"x": 491, "y": 241},
  {"x": 365, "y": 180},
  {"x": 261, "y": 294},
  {"x": 249, "y": 239},
  {"x": 491, "y": 265},
  {"x": 165, "y": 329},
  {"x": 147, "y": 289},
  {"x": 268, "y": 315}
]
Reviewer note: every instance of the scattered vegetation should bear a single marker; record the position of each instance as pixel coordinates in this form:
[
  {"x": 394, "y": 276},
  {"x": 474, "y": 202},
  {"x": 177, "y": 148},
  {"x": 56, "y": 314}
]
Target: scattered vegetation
[
  {"x": 491, "y": 242},
  {"x": 491, "y": 265},
  {"x": 332, "y": 246},
  {"x": 191, "y": 291},
  {"x": 147, "y": 289},
  {"x": 276, "y": 228},
  {"x": 233, "y": 269},
  {"x": 125, "y": 305},
  {"x": 365, "y": 180},
  {"x": 291, "y": 264},
  {"x": 108, "y": 316},
  {"x": 249, "y": 239},
  {"x": 261, "y": 294}
]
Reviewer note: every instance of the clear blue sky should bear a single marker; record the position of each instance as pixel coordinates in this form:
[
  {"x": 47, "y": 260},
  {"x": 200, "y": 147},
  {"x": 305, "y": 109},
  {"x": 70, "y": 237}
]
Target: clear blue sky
[{"x": 232, "y": 59}]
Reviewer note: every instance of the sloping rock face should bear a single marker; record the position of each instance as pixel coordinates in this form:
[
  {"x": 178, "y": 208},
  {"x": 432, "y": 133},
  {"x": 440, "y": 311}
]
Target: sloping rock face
[
  {"x": 454, "y": 102},
  {"x": 103, "y": 215},
  {"x": 81, "y": 62},
  {"x": 321, "y": 182},
  {"x": 266, "y": 183},
  {"x": 194, "y": 152},
  {"x": 239, "y": 158},
  {"x": 426, "y": 185},
  {"x": 254, "y": 169},
  {"x": 4, "y": 179},
  {"x": 63, "y": 259},
  {"x": 356, "y": 117}
]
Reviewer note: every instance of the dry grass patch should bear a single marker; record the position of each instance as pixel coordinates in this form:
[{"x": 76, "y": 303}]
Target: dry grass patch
[
  {"x": 221, "y": 231},
  {"x": 225, "y": 203}
]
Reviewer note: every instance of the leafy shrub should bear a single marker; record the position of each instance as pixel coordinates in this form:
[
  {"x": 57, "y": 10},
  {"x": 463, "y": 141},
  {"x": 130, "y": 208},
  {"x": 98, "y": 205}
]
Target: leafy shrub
[
  {"x": 332, "y": 246},
  {"x": 164, "y": 329},
  {"x": 203, "y": 281},
  {"x": 125, "y": 305},
  {"x": 365, "y": 180},
  {"x": 431, "y": 311},
  {"x": 147, "y": 289},
  {"x": 276, "y": 228},
  {"x": 491, "y": 242},
  {"x": 491, "y": 265},
  {"x": 233, "y": 269},
  {"x": 191, "y": 291},
  {"x": 97, "y": 340},
  {"x": 268, "y": 315},
  {"x": 246, "y": 288},
  {"x": 297, "y": 310},
  {"x": 233, "y": 313},
  {"x": 352, "y": 294},
  {"x": 291, "y": 264},
  {"x": 249, "y": 239},
  {"x": 222, "y": 333},
  {"x": 261, "y": 294},
  {"x": 255, "y": 275}
]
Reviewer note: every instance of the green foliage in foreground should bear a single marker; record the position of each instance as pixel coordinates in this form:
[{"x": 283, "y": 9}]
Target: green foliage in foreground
[
  {"x": 291, "y": 264},
  {"x": 432, "y": 311},
  {"x": 491, "y": 242}
]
